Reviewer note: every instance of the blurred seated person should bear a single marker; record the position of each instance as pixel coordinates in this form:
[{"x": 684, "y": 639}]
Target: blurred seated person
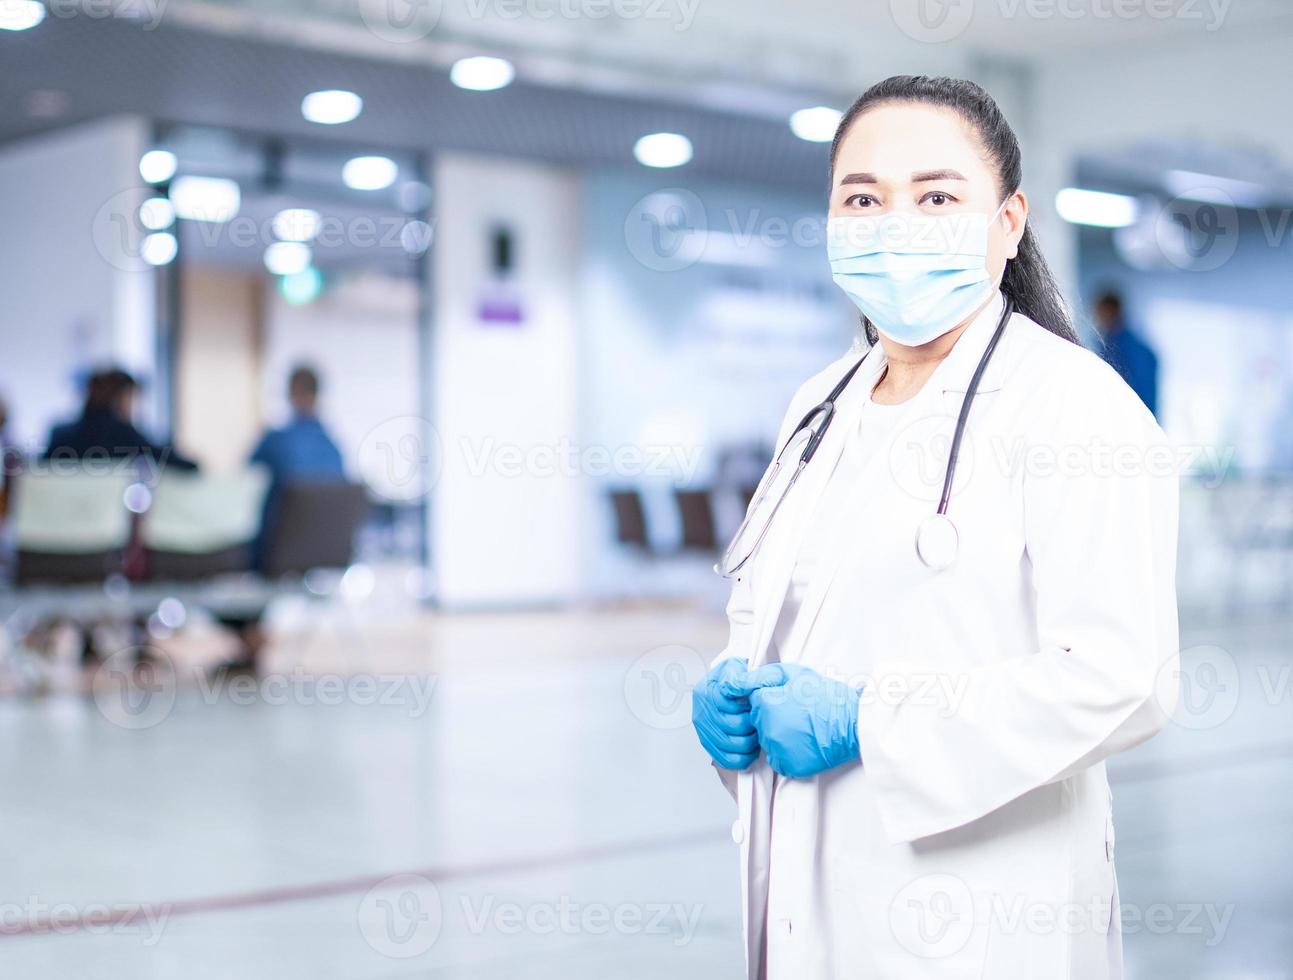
[
  {"x": 302, "y": 450},
  {"x": 1125, "y": 351},
  {"x": 10, "y": 461},
  {"x": 105, "y": 430},
  {"x": 299, "y": 451}
]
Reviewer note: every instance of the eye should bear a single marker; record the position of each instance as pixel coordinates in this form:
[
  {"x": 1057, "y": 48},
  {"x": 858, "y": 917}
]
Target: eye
[
  {"x": 938, "y": 199},
  {"x": 860, "y": 201}
]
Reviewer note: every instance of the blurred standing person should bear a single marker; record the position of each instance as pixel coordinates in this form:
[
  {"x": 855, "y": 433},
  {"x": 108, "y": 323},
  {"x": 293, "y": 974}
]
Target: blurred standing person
[
  {"x": 104, "y": 428},
  {"x": 301, "y": 450},
  {"x": 1125, "y": 350}
]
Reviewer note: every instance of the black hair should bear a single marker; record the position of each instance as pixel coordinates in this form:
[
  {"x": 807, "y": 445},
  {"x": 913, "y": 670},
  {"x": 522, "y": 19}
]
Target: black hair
[
  {"x": 1109, "y": 300},
  {"x": 1027, "y": 278},
  {"x": 304, "y": 378},
  {"x": 103, "y": 388}
]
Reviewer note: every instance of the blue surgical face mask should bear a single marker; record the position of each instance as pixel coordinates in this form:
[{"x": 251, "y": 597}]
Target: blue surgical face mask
[{"x": 914, "y": 276}]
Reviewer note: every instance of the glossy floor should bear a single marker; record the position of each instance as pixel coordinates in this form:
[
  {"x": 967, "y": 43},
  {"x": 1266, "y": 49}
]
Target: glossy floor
[{"x": 520, "y": 796}]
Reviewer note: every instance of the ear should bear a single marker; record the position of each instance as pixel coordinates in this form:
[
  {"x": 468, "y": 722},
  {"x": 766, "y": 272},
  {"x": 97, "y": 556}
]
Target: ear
[{"x": 1015, "y": 216}]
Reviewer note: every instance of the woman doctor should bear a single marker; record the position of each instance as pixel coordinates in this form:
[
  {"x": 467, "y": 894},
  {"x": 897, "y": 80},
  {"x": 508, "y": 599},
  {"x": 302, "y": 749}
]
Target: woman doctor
[{"x": 953, "y": 596}]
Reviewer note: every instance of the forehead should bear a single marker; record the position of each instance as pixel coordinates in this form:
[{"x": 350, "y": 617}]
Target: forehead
[{"x": 896, "y": 139}]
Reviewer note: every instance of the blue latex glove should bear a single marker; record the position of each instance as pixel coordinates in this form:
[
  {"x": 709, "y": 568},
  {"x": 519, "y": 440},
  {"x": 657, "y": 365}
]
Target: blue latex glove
[
  {"x": 806, "y": 723},
  {"x": 720, "y": 712}
]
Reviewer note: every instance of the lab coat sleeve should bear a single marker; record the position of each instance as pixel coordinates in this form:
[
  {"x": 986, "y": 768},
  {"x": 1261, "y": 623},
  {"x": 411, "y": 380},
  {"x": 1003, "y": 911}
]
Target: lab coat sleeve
[{"x": 1100, "y": 536}]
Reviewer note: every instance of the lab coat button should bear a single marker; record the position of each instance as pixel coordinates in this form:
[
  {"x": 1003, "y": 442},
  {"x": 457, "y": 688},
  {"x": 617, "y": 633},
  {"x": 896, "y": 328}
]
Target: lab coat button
[{"x": 738, "y": 832}]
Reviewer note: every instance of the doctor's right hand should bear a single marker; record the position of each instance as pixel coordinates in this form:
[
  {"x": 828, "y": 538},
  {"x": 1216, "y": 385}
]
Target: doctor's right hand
[{"x": 720, "y": 712}]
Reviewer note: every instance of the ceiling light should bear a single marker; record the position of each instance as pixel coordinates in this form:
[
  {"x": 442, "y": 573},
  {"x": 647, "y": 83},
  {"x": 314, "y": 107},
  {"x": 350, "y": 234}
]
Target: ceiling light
[
  {"x": 663, "y": 150},
  {"x": 1103, "y": 210},
  {"x": 205, "y": 198},
  {"x": 481, "y": 73},
  {"x": 157, "y": 166},
  {"x": 1207, "y": 189},
  {"x": 288, "y": 258},
  {"x": 157, "y": 213},
  {"x": 817, "y": 125},
  {"x": 159, "y": 248},
  {"x": 20, "y": 15},
  {"x": 369, "y": 173},
  {"x": 296, "y": 224},
  {"x": 331, "y": 107},
  {"x": 301, "y": 287}
]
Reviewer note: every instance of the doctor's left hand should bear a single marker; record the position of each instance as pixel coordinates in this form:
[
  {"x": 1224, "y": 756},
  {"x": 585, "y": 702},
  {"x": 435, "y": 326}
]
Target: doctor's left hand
[{"x": 807, "y": 723}]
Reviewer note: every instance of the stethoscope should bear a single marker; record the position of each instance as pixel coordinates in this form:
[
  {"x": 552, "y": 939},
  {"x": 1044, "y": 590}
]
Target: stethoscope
[{"x": 937, "y": 540}]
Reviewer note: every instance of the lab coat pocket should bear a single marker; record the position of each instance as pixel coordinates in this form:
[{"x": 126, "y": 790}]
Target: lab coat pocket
[
  {"x": 932, "y": 927},
  {"x": 1094, "y": 882}
]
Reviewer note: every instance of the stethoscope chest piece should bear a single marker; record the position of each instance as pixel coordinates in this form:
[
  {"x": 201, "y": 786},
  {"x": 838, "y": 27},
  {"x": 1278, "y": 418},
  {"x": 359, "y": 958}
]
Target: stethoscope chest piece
[{"x": 937, "y": 541}]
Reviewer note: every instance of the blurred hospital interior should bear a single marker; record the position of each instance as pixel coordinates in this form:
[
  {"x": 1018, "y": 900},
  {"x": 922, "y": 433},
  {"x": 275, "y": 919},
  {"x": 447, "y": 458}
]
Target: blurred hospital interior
[{"x": 380, "y": 380}]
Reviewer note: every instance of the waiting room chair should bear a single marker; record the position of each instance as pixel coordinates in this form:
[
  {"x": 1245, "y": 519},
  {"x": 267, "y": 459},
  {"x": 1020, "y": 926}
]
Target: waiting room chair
[
  {"x": 70, "y": 524},
  {"x": 630, "y": 518},
  {"x": 315, "y": 527},
  {"x": 696, "y": 513},
  {"x": 201, "y": 525}
]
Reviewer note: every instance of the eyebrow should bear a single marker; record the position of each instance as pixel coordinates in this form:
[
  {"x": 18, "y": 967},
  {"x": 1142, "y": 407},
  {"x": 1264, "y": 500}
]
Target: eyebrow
[{"x": 920, "y": 177}]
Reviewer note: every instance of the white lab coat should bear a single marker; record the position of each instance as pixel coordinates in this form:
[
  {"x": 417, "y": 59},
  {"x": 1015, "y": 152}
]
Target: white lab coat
[{"x": 975, "y": 836}]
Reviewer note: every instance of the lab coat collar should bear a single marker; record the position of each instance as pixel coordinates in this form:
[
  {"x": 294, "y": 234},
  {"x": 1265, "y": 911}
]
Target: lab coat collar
[{"x": 958, "y": 367}]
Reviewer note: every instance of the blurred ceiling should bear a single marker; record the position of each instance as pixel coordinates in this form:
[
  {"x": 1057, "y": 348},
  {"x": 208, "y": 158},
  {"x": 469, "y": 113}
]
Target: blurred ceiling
[
  {"x": 593, "y": 75},
  {"x": 73, "y": 69}
]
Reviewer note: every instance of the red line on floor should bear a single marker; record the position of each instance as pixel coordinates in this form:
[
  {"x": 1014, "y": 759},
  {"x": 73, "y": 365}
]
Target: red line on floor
[{"x": 124, "y": 914}]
